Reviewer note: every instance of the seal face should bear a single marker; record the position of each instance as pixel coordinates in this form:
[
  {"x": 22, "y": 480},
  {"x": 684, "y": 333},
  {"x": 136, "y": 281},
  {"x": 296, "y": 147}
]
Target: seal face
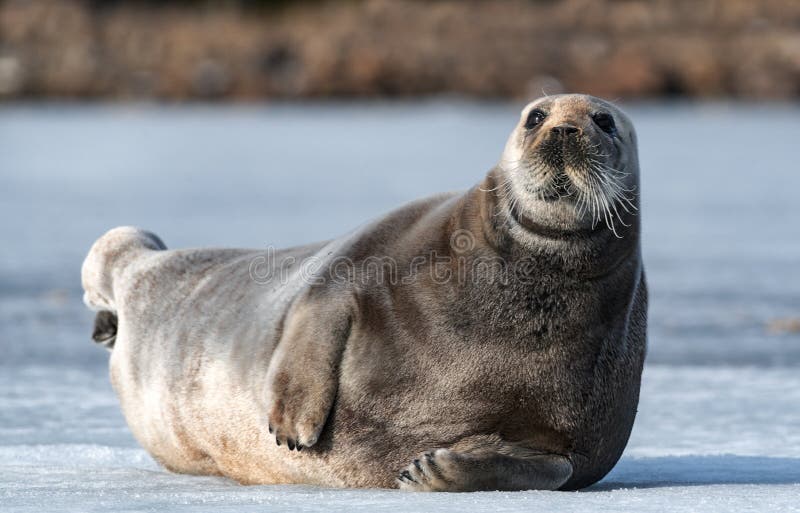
[
  {"x": 573, "y": 160},
  {"x": 488, "y": 340}
]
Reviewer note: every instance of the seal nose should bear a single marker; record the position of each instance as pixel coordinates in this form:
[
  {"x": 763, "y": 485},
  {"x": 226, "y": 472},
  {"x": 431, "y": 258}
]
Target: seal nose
[{"x": 565, "y": 129}]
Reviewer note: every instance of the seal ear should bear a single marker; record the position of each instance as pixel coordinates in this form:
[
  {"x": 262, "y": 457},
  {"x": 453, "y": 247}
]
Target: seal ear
[{"x": 302, "y": 378}]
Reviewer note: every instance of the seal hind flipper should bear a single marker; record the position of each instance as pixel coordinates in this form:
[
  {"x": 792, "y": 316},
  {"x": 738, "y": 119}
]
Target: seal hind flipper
[
  {"x": 105, "y": 328},
  {"x": 116, "y": 249}
]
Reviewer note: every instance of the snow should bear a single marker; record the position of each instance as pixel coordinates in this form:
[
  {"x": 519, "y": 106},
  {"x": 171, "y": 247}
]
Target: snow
[{"x": 706, "y": 439}]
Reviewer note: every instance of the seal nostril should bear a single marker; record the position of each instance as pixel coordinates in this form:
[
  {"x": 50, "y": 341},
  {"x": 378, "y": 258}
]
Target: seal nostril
[{"x": 564, "y": 129}]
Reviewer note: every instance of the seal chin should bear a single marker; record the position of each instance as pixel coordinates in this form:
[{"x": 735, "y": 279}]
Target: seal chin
[
  {"x": 553, "y": 217},
  {"x": 552, "y": 221},
  {"x": 548, "y": 200}
]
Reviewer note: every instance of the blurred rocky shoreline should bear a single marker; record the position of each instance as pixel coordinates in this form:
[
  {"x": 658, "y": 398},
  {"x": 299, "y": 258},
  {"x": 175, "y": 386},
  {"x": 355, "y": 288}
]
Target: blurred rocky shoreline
[{"x": 377, "y": 48}]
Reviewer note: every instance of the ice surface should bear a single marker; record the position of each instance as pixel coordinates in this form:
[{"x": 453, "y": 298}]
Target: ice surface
[
  {"x": 706, "y": 439},
  {"x": 719, "y": 421}
]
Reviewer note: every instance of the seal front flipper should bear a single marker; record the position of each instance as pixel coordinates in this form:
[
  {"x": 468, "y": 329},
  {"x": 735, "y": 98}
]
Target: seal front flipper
[
  {"x": 445, "y": 470},
  {"x": 302, "y": 378}
]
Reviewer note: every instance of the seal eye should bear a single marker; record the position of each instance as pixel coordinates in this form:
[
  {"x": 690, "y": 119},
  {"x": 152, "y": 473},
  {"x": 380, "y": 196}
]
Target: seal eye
[
  {"x": 535, "y": 117},
  {"x": 605, "y": 122}
]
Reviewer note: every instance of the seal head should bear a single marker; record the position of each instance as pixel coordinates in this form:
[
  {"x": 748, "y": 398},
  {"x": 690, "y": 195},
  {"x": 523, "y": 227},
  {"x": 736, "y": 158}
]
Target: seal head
[{"x": 570, "y": 165}]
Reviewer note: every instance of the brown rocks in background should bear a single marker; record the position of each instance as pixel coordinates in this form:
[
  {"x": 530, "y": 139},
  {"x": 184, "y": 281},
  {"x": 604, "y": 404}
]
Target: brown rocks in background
[
  {"x": 513, "y": 48},
  {"x": 780, "y": 326}
]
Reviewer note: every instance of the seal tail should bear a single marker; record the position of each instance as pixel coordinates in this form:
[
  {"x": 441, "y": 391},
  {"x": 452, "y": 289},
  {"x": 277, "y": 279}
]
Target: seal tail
[{"x": 108, "y": 255}]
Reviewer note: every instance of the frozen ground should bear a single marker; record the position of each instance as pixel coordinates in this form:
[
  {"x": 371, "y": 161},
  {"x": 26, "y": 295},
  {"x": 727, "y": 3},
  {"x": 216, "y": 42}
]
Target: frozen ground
[
  {"x": 719, "y": 422},
  {"x": 722, "y": 439}
]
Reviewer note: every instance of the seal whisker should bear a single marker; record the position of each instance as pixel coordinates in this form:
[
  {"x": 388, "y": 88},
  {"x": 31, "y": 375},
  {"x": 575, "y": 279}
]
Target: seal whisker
[
  {"x": 614, "y": 194},
  {"x": 597, "y": 200},
  {"x": 607, "y": 198},
  {"x": 507, "y": 180},
  {"x": 508, "y": 196}
]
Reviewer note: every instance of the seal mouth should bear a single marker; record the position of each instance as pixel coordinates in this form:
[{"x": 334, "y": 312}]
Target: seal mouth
[
  {"x": 552, "y": 162},
  {"x": 559, "y": 187}
]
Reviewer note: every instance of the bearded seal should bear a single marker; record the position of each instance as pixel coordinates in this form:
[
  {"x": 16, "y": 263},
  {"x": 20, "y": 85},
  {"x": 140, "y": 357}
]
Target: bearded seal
[{"x": 486, "y": 340}]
